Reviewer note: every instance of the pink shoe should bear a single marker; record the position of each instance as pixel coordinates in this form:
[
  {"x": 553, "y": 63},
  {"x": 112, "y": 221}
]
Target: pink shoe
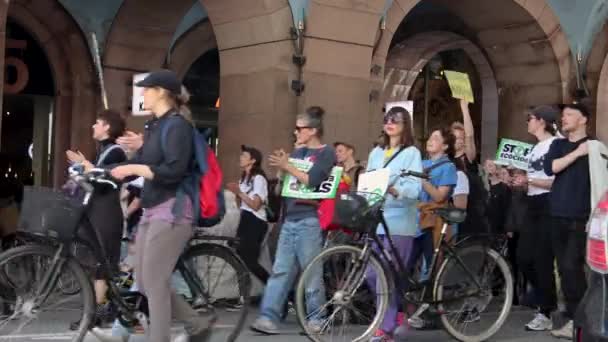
[
  {"x": 381, "y": 336},
  {"x": 400, "y": 319}
]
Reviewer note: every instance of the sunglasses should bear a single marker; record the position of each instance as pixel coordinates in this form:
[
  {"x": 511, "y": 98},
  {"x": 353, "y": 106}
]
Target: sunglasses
[
  {"x": 300, "y": 128},
  {"x": 393, "y": 120}
]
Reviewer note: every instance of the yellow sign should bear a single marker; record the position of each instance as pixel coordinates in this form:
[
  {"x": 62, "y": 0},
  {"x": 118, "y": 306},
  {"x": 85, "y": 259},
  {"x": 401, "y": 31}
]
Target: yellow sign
[{"x": 460, "y": 85}]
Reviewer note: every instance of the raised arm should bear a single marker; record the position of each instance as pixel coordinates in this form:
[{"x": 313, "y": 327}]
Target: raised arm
[{"x": 469, "y": 131}]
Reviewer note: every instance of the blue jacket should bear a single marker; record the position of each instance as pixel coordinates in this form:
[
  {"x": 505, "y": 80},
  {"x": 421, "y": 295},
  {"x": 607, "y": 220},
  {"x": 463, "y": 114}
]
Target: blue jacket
[{"x": 400, "y": 212}]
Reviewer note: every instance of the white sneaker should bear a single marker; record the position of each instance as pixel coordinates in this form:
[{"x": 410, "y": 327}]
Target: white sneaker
[
  {"x": 566, "y": 332},
  {"x": 540, "y": 323}
]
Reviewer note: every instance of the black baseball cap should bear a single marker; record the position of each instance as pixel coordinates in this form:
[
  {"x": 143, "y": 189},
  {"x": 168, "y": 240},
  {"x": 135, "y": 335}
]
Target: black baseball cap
[
  {"x": 253, "y": 152},
  {"x": 548, "y": 113},
  {"x": 165, "y": 79},
  {"x": 577, "y": 106}
]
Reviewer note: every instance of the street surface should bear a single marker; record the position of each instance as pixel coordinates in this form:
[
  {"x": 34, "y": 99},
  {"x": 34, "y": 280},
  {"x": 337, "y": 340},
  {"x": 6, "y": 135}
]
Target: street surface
[{"x": 513, "y": 331}]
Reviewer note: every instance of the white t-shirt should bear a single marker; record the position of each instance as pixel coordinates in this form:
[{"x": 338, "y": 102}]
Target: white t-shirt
[
  {"x": 536, "y": 168},
  {"x": 462, "y": 184},
  {"x": 257, "y": 186}
]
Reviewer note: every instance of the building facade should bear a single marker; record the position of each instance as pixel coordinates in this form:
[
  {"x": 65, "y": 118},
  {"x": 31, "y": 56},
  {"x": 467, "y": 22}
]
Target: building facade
[{"x": 267, "y": 60}]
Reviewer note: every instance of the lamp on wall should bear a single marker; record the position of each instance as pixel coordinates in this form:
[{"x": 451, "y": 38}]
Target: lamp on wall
[{"x": 297, "y": 86}]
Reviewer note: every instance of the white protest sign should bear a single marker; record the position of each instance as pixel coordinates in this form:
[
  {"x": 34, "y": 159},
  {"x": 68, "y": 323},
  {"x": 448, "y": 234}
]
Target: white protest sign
[
  {"x": 137, "y": 105},
  {"x": 294, "y": 189},
  {"x": 373, "y": 184}
]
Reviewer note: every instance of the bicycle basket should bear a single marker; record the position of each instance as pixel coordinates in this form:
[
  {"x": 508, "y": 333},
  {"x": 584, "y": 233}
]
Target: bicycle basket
[
  {"x": 357, "y": 211},
  {"x": 49, "y": 213}
]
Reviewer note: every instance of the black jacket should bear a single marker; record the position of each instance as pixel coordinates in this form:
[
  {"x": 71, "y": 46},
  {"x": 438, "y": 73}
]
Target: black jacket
[{"x": 170, "y": 163}]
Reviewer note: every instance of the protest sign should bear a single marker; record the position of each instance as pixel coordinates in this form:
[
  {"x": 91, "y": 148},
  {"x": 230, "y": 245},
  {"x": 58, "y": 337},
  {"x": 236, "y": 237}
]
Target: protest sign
[
  {"x": 293, "y": 188},
  {"x": 460, "y": 85},
  {"x": 513, "y": 153},
  {"x": 373, "y": 184}
]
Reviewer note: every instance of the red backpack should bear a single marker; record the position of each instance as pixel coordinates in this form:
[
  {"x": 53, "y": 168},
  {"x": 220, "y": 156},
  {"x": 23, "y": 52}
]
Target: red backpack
[{"x": 204, "y": 184}]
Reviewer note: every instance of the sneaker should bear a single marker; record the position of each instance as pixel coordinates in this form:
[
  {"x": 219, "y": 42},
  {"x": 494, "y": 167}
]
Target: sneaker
[
  {"x": 202, "y": 333},
  {"x": 471, "y": 316},
  {"x": 105, "y": 337},
  {"x": 234, "y": 307},
  {"x": 315, "y": 327},
  {"x": 566, "y": 332},
  {"x": 265, "y": 326},
  {"x": 540, "y": 323},
  {"x": 381, "y": 336},
  {"x": 416, "y": 322}
]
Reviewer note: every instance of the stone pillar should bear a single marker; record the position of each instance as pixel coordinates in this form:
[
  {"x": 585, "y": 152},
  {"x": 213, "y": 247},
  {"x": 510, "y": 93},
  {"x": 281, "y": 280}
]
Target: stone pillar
[
  {"x": 340, "y": 39},
  {"x": 257, "y": 107}
]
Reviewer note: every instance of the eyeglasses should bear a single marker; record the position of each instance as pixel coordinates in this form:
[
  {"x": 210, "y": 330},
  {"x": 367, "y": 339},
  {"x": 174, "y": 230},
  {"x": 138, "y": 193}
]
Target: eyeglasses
[
  {"x": 300, "y": 128},
  {"x": 530, "y": 118}
]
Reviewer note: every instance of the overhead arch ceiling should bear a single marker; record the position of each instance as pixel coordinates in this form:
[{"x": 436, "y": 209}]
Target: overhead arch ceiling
[{"x": 97, "y": 16}]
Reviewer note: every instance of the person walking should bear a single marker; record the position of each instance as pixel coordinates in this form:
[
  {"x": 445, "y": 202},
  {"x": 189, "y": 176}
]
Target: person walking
[
  {"x": 396, "y": 152},
  {"x": 300, "y": 239},
  {"x": 165, "y": 228}
]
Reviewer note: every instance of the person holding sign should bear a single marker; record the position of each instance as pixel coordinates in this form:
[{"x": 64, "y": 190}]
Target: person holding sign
[
  {"x": 300, "y": 239},
  {"x": 570, "y": 206},
  {"x": 466, "y": 159},
  {"x": 536, "y": 260},
  {"x": 397, "y": 152}
]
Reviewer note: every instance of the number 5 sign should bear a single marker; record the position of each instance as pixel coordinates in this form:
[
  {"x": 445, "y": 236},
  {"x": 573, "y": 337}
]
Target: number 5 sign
[{"x": 137, "y": 107}]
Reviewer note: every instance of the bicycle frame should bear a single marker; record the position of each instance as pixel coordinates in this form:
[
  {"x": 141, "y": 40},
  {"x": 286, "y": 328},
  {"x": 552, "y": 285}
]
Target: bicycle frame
[{"x": 398, "y": 270}]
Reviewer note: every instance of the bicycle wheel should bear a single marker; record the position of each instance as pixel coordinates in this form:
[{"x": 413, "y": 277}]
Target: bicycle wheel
[
  {"x": 27, "y": 314},
  {"x": 349, "y": 313},
  {"x": 225, "y": 282},
  {"x": 470, "y": 313}
]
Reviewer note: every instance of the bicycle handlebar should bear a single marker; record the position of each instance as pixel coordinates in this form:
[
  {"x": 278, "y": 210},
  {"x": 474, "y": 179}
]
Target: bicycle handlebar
[
  {"x": 405, "y": 173},
  {"x": 95, "y": 175}
]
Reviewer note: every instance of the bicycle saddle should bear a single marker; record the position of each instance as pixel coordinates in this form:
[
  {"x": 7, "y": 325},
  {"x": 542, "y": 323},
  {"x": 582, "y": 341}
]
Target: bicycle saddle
[{"x": 451, "y": 215}]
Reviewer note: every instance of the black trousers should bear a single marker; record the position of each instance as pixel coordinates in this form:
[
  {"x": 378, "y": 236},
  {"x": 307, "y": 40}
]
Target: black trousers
[
  {"x": 535, "y": 253},
  {"x": 569, "y": 240},
  {"x": 251, "y": 232}
]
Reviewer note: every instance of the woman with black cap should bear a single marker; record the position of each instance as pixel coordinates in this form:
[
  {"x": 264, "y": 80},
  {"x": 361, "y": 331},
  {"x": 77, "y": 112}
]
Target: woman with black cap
[
  {"x": 252, "y": 193},
  {"x": 165, "y": 228}
]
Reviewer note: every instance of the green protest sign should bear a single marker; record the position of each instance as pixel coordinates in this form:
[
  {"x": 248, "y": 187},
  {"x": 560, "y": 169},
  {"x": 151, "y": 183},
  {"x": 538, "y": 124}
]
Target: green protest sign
[
  {"x": 513, "y": 153},
  {"x": 292, "y": 188},
  {"x": 460, "y": 85}
]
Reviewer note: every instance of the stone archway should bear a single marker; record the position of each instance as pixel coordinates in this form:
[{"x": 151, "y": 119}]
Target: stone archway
[
  {"x": 76, "y": 87},
  {"x": 407, "y": 58},
  {"x": 183, "y": 55},
  {"x": 522, "y": 41}
]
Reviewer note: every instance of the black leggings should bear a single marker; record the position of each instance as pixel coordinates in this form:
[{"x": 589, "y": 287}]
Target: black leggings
[{"x": 251, "y": 233}]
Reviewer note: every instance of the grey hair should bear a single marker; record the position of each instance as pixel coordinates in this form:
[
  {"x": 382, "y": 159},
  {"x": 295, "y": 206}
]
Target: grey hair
[{"x": 314, "y": 118}]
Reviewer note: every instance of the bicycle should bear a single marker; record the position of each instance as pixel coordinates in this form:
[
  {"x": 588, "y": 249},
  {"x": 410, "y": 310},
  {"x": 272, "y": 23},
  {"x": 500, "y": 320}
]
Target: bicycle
[
  {"x": 460, "y": 290},
  {"x": 32, "y": 271}
]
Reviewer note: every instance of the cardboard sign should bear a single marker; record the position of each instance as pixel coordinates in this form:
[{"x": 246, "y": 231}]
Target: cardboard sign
[
  {"x": 513, "y": 153},
  {"x": 460, "y": 85},
  {"x": 137, "y": 105},
  {"x": 373, "y": 184},
  {"x": 292, "y": 187}
]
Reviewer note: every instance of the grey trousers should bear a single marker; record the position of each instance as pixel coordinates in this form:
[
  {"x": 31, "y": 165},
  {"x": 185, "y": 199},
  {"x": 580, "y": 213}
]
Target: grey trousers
[{"x": 158, "y": 245}]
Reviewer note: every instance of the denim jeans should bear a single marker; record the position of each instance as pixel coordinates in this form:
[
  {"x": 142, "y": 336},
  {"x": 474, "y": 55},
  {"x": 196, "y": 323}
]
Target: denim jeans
[{"x": 299, "y": 242}]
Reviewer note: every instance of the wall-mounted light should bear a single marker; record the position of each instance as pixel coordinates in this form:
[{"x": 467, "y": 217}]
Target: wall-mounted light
[{"x": 297, "y": 86}]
